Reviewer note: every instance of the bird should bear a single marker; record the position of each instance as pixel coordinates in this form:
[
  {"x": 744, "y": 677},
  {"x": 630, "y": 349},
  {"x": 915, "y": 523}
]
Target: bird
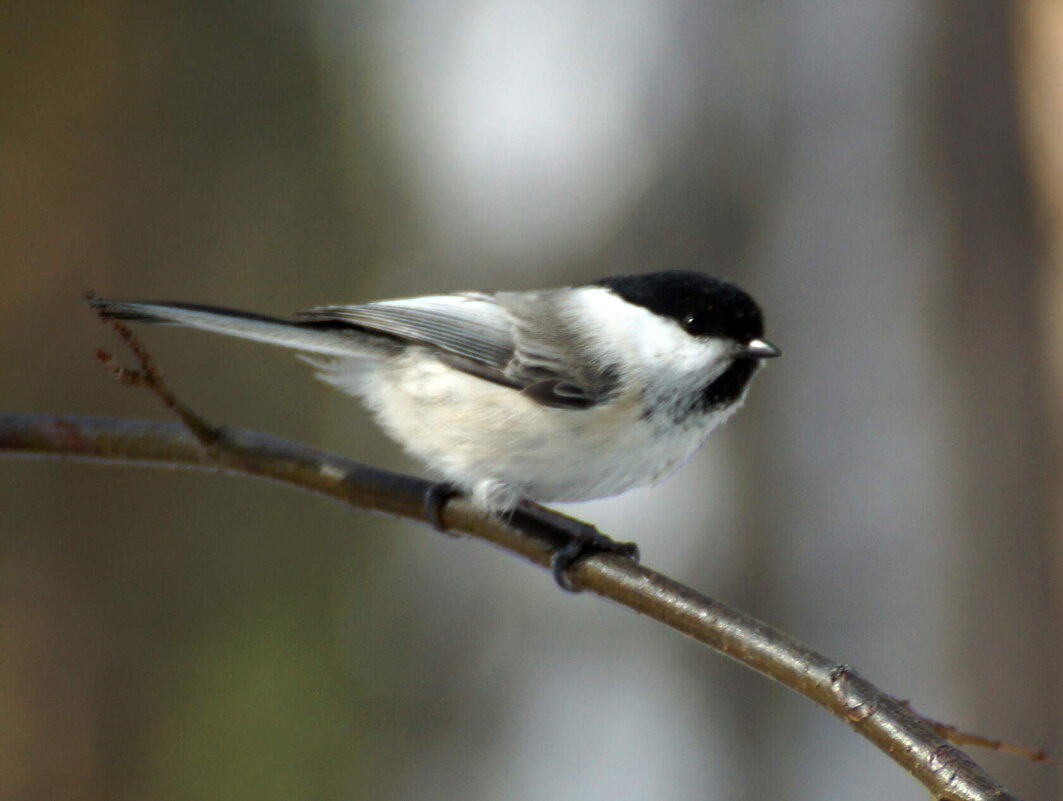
[{"x": 554, "y": 395}]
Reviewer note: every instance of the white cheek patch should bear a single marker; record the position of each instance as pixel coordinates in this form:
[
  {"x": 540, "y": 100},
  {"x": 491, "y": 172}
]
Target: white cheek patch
[{"x": 645, "y": 341}]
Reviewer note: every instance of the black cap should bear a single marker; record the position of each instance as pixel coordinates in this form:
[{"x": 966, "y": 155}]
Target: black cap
[{"x": 701, "y": 304}]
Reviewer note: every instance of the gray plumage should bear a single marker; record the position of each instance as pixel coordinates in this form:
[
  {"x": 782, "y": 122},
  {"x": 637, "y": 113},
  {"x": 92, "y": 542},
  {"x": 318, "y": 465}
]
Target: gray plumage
[{"x": 511, "y": 339}]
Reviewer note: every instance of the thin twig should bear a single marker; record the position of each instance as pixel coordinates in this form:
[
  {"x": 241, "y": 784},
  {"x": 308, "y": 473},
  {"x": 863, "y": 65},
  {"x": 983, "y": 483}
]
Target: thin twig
[
  {"x": 151, "y": 377},
  {"x": 906, "y": 737},
  {"x": 960, "y": 737}
]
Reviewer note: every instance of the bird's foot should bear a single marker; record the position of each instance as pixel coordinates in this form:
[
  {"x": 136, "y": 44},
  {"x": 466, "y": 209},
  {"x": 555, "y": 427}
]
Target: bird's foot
[
  {"x": 586, "y": 540},
  {"x": 435, "y": 499},
  {"x": 582, "y": 540}
]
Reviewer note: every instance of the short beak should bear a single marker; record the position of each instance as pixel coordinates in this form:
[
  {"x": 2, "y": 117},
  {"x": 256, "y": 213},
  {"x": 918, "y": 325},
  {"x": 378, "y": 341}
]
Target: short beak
[{"x": 760, "y": 349}]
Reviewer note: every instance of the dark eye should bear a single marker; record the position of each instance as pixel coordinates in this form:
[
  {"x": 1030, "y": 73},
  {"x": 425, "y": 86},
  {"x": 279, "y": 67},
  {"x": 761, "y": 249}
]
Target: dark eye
[{"x": 695, "y": 324}]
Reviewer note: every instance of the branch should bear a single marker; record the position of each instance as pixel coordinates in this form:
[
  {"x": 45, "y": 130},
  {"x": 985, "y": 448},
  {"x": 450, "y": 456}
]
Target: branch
[{"x": 909, "y": 739}]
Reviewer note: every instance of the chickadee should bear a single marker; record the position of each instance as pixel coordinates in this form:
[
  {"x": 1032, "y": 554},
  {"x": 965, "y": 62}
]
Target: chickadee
[{"x": 553, "y": 395}]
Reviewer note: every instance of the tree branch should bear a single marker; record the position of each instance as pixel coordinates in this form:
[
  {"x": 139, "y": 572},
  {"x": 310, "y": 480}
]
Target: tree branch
[{"x": 909, "y": 739}]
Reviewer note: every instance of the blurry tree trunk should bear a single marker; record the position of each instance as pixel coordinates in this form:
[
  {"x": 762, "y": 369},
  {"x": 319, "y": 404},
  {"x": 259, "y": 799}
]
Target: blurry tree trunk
[
  {"x": 1039, "y": 46},
  {"x": 995, "y": 324}
]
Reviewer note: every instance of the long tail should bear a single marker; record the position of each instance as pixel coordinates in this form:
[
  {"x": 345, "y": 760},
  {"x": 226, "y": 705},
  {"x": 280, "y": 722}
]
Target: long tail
[{"x": 324, "y": 337}]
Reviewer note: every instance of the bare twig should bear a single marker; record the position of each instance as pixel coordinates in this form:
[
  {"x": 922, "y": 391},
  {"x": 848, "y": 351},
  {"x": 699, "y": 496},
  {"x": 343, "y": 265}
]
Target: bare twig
[
  {"x": 151, "y": 377},
  {"x": 907, "y": 738},
  {"x": 960, "y": 737}
]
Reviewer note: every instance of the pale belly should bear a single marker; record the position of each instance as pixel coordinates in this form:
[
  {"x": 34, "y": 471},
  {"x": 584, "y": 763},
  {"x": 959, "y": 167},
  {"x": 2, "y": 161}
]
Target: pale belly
[{"x": 500, "y": 446}]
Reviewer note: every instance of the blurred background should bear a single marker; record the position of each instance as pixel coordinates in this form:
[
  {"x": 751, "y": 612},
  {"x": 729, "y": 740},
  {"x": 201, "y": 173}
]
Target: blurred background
[{"x": 885, "y": 178}]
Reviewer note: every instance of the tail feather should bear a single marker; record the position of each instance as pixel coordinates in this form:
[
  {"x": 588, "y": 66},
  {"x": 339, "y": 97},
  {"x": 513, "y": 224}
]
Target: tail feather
[{"x": 328, "y": 338}]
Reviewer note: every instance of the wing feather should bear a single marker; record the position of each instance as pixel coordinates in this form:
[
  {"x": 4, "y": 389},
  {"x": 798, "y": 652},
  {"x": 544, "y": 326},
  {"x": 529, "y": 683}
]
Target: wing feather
[
  {"x": 469, "y": 325},
  {"x": 511, "y": 339}
]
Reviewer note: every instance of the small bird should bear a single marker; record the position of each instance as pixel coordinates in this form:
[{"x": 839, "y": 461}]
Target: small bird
[{"x": 553, "y": 395}]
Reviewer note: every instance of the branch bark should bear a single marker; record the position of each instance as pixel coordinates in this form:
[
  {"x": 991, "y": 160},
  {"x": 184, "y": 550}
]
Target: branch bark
[{"x": 909, "y": 739}]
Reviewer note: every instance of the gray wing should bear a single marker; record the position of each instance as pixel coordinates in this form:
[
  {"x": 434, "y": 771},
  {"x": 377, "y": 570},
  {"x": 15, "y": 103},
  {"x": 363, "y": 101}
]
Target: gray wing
[
  {"x": 469, "y": 325},
  {"x": 512, "y": 339},
  {"x": 552, "y": 360}
]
